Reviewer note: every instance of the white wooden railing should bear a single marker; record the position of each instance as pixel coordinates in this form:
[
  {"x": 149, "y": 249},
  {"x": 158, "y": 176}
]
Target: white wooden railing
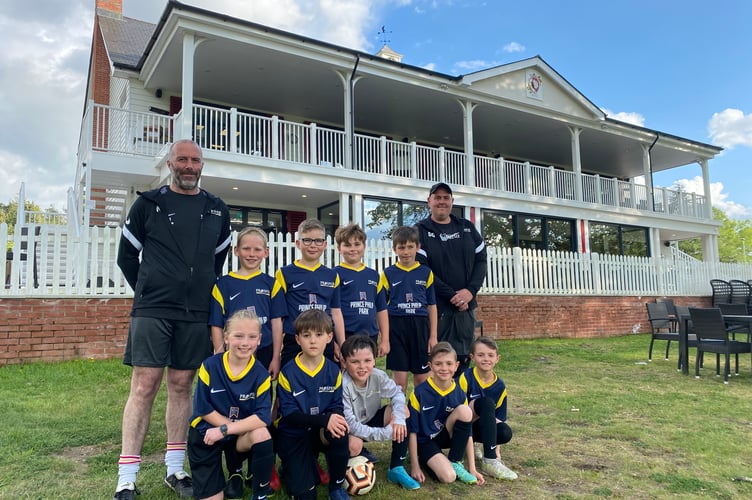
[
  {"x": 48, "y": 261},
  {"x": 136, "y": 133}
]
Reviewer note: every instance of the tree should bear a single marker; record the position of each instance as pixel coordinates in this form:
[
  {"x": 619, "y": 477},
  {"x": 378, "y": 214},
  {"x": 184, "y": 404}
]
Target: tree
[{"x": 733, "y": 236}]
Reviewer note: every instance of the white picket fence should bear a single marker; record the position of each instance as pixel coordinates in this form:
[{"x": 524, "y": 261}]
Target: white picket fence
[{"x": 48, "y": 261}]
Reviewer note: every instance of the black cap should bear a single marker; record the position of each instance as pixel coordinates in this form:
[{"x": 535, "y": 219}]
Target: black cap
[{"x": 440, "y": 185}]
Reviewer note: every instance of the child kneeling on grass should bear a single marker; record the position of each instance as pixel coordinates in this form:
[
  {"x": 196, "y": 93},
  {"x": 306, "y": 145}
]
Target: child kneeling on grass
[
  {"x": 440, "y": 418},
  {"x": 311, "y": 420},
  {"x": 364, "y": 388},
  {"x": 231, "y": 411},
  {"x": 487, "y": 394}
]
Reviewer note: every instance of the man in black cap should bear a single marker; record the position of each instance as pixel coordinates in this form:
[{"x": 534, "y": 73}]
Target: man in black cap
[{"x": 456, "y": 253}]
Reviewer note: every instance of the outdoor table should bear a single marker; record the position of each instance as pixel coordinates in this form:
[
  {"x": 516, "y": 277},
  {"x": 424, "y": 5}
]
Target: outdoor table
[{"x": 684, "y": 343}]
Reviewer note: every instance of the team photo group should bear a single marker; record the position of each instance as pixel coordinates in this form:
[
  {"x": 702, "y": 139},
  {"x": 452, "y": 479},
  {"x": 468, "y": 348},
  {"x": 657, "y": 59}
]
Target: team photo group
[{"x": 286, "y": 364}]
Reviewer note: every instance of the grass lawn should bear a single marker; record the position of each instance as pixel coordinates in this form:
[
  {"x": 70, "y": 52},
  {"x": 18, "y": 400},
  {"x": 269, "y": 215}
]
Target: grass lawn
[{"x": 591, "y": 419}]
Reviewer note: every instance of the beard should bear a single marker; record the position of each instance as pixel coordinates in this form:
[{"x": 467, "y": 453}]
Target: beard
[{"x": 186, "y": 183}]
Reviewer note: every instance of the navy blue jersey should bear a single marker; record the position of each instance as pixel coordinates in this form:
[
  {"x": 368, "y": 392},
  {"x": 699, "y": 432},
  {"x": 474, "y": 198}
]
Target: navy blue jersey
[
  {"x": 234, "y": 292},
  {"x": 311, "y": 393},
  {"x": 234, "y": 396},
  {"x": 408, "y": 291},
  {"x": 361, "y": 296},
  {"x": 306, "y": 288},
  {"x": 430, "y": 407},
  {"x": 496, "y": 390}
]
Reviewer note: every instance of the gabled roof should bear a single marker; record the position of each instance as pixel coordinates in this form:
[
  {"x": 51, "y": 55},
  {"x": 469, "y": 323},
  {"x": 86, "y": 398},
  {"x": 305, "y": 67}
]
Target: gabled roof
[
  {"x": 496, "y": 73},
  {"x": 126, "y": 39}
]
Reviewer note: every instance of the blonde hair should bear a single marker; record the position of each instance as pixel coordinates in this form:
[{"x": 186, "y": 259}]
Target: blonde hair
[
  {"x": 240, "y": 315},
  {"x": 311, "y": 225},
  {"x": 255, "y": 231}
]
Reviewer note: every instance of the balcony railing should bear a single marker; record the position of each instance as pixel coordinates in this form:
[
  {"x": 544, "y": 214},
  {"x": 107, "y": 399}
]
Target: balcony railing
[{"x": 136, "y": 133}]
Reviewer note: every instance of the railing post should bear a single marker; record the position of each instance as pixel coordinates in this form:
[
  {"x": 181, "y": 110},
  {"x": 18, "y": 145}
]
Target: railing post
[
  {"x": 519, "y": 276},
  {"x": 312, "y": 144},
  {"x": 597, "y": 182},
  {"x": 595, "y": 266},
  {"x": 382, "y": 155},
  {"x": 413, "y": 160},
  {"x": 275, "y": 137},
  {"x": 442, "y": 164},
  {"x": 528, "y": 179},
  {"x": 233, "y": 139},
  {"x": 502, "y": 174},
  {"x": 553, "y": 192}
]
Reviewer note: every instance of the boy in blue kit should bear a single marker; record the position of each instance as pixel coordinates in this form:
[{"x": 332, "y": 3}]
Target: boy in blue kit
[
  {"x": 487, "y": 394},
  {"x": 364, "y": 388},
  {"x": 231, "y": 411},
  {"x": 440, "y": 418},
  {"x": 362, "y": 297},
  {"x": 307, "y": 284},
  {"x": 248, "y": 288},
  {"x": 309, "y": 390},
  {"x": 412, "y": 310}
]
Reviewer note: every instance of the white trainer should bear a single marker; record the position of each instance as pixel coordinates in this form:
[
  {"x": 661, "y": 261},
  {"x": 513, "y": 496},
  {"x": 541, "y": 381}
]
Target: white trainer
[{"x": 494, "y": 468}]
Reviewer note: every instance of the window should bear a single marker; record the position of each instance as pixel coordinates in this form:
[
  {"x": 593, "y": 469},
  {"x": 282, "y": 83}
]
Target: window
[
  {"x": 380, "y": 216},
  {"x": 616, "y": 239},
  {"x": 508, "y": 230}
]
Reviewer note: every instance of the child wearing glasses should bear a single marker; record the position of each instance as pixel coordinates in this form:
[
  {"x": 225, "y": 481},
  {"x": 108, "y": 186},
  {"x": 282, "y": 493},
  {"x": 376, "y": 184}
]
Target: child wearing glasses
[{"x": 308, "y": 284}]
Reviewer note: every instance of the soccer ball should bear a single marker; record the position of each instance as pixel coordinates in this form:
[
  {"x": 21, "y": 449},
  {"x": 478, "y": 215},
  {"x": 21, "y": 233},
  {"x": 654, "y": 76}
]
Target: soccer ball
[{"x": 360, "y": 476}]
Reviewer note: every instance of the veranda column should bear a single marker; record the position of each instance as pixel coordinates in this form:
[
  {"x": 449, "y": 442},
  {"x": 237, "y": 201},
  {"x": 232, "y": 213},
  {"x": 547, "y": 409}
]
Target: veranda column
[
  {"x": 646, "y": 172},
  {"x": 467, "y": 112},
  {"x": 344, "y": 209},
  {"x": 706, "y": 190},
  {"x": 190, "y": 42},
  {"x": 576, "y": 161}
]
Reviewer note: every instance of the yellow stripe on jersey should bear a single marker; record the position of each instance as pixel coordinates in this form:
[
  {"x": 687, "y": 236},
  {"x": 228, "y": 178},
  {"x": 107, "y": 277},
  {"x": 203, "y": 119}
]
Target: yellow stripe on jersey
[
  {"x": 218, "y": 297},
  {"x": 203, "y": 375},
  {"x": 265, "y": 386},
  {"x": 283, "y": 382},
  {"x": 414, "y": 403},
  {"x": 279, "y": 283}
]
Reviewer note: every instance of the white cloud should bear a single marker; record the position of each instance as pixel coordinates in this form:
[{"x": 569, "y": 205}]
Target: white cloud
[
  {"x": 626, "y": 117},
  {"x": 731, "y": 127},
  {"x": 474, "y": 65},
  {"x": 718, "y": 197},
  {"x": 513, "y": 47}
]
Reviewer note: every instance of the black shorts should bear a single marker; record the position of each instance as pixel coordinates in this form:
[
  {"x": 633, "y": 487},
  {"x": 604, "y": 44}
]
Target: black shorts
[
  {"x": 427, "y": 449},
  {"x": 264, "y": 355},
  {"x": 291, "y": 348},
  {"x": 206, "y": 464},
  {"x": 457, "y": 328},
  {"x": 299, "y": 456},
  {"x": 157, "y": 342},
  {"x": 408, "y": 344}
]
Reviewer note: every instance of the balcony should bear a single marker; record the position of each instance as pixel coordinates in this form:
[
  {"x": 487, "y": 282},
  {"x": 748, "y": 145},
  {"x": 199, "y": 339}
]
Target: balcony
[{"x": 138, "y": 134}]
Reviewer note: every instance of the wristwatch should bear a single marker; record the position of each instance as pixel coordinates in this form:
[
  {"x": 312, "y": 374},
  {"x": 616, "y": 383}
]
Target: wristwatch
[{"x": 223, "y": 429}]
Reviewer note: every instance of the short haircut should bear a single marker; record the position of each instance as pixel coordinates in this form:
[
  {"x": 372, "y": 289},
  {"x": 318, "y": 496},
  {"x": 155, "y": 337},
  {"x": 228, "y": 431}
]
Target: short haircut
[
  {"x": 239, "y": 315},
  {"x": 486, "y": 341},
  {"x": 442, "y": 348},
  {"x": 255, "y": 231},
  {"x": 405, "y": 234},
  {"x": 343, "y": 234},
  {"x": 311, "y": 225},
  {"x": 313, "y": 320},
  {"x": 183, "y": 141},
  {"x": 357, "y": 342}
]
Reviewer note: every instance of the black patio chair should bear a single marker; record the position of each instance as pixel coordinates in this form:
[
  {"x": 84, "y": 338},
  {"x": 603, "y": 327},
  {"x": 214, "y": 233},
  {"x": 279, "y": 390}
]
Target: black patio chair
[
  {"x": 741, "y": 292},
  {"x": 671, "y": 308},
  {"x": 721, "y": 291},
  {"x": 661, "y": 326},
  {"x": 712, "y": 336}
]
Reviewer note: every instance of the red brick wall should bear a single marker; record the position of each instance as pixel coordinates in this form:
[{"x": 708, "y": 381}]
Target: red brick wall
[
  {"x": 70, "y": 328},
  {"x": 525, "y": 317},
  {"x": 60, "y": 329}
]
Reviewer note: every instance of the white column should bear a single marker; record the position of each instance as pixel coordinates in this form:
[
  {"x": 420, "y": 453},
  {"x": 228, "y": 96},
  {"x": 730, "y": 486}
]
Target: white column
[
  {"x": 467, "y": 113},
  {"x": 647, "y": 173},
  {"x": 357, "y": 209},
  {"x": 189, "y": 50},
  {"x": 575, "y": 132},
  {"x": 344, "y": 209},
  {"x": 706, "y": 189}
]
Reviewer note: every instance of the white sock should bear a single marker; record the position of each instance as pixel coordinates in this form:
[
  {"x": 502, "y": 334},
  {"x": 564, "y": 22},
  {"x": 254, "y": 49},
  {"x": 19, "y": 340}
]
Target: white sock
[
  {"x": 175, "y": 457},
  {"x": 128, "y": 466}
]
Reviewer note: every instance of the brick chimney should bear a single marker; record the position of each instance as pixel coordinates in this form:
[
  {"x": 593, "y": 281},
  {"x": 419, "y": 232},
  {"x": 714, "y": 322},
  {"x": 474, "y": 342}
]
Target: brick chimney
[{"x": 110, "y": 8}]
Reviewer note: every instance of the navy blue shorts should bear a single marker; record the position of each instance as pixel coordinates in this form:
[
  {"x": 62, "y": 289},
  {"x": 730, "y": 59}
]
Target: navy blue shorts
[{"x": 408, "y": 344}]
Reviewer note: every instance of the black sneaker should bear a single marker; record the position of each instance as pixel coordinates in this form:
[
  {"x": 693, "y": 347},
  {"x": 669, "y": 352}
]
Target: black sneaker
[
  {"x": 181, "y": 483},
  {"x": 128, "y": 492},
  {"x": 368, "y": 455},
  {"x": 234, "y": 488}
]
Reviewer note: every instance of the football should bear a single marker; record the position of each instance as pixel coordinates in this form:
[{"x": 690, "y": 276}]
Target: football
[{"x": 360, "y": 476}]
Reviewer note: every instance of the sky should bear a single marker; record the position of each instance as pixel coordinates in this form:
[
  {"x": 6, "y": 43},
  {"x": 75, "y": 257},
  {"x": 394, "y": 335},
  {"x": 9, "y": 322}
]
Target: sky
[{"x": 681, "y": 67}]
